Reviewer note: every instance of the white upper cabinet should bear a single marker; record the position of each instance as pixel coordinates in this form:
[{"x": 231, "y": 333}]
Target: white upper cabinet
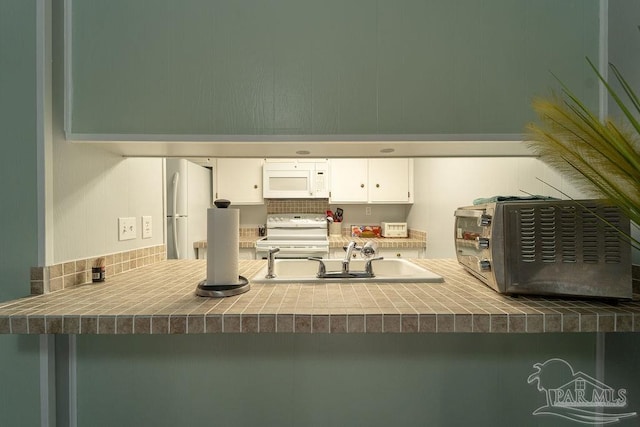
[
  {"x": 391, "y": 180},
  {"x": 371, "y": 181},
  {"x": 240, "y": 180},
  {"x": 348, "y": 180}
]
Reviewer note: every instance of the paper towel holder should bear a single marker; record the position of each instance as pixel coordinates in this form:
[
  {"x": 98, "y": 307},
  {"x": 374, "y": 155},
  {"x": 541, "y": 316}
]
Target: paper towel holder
[
  {"x": 205, "y": 289},
  {"x": 221, "y": 291}
]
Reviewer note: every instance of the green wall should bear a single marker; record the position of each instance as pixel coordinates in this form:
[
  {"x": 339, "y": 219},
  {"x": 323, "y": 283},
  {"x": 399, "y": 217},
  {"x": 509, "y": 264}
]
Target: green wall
[
  {"x": 290, "y": 380},
  {"x": 331, "y": 67},
  {"x": 19, "y": 375}
]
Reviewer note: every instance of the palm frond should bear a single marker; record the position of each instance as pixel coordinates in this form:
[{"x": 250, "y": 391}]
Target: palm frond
[{"x": 602, "y": 158}]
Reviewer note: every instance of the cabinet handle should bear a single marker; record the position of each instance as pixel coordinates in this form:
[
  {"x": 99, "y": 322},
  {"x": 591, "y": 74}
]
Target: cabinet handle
[
  {"x": 361, "y": 185},
  {"x": 377, "y": 185},
  {"x": 255, "y": 186},
  {"x": 399, "y": 255}
]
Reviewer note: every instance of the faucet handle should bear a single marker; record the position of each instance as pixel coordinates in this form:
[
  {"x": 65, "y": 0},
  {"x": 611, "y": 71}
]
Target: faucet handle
[
  {"x": 369, "y": 250},
  {"x": 322, "y": 269},
  {"x": 368, "y": 268}
]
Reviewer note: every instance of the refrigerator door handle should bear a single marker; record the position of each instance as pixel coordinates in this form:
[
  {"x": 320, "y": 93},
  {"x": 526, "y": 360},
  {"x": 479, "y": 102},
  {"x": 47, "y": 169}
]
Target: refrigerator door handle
[{"x": 176, "y": 179}]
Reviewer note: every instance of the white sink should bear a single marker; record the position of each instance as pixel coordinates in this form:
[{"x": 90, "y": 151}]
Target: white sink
[{"x": 385, "y": 270}]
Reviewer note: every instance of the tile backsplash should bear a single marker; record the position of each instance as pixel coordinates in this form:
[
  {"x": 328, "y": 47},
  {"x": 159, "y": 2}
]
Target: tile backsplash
[
  {"x": 77, "y": 272},
  {"x": 312, "y": 206}
]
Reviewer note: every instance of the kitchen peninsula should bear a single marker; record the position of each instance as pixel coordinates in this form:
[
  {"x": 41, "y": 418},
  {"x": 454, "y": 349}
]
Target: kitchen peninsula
[{"x": 160, "y": 299}]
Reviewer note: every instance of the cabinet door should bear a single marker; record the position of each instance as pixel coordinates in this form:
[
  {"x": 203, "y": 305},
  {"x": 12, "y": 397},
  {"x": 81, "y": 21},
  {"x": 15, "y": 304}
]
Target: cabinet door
[
  {"x": 389, "y": 180},
  {"x": 240, "y": 180},
  {"x": 348, "y": 178}
]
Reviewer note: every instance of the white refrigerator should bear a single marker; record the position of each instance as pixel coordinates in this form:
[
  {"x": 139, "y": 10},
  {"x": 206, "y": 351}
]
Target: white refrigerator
[{"x": 188, "y": 198}]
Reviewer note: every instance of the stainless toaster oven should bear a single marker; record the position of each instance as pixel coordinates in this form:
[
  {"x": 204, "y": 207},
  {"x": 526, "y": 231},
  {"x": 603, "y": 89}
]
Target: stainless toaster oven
[{"x": 546, "y": 247}]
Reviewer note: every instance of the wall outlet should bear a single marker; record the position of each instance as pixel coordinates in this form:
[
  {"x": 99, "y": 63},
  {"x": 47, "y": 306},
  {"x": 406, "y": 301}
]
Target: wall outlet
[
  {"x": 127, "y": 228},
  {"x": 147, "y": 227},
  {"x": 367, "y": 210}
]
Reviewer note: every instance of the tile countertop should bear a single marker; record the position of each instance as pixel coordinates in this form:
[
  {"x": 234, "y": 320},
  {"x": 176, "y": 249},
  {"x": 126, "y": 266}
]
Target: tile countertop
[
  {"x": 249, "y": 242},
  {"x": 160, "y": 299}
]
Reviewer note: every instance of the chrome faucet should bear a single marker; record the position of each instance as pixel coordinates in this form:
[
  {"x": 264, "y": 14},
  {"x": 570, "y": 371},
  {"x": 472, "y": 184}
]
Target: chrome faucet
[
  {"x": 271, "y": 262},
  {"x": 344, "y": 273},
  {"x": 347, "y": 256}
]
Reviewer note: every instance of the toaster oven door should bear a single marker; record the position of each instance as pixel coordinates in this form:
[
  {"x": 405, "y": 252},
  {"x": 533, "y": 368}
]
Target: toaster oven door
[{"x": 473, "y": 242}]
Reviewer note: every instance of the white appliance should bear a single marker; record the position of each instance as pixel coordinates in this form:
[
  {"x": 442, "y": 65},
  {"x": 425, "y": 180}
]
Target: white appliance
[
  {"x": 297, "y": 236},
  {"x": 295, "y": 178},
  {"x": 393, "y": 229},
  {"x": 189, "y": 190}
]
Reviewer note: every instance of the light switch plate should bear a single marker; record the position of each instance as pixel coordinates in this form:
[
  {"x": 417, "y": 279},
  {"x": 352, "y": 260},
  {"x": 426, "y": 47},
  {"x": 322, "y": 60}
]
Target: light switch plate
[
  {"x": 127, "y": 228},
  {"x": 147, "y": 227}
]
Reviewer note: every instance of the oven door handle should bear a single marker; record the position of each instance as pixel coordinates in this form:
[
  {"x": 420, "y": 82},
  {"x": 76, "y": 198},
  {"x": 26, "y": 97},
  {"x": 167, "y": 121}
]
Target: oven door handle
[
  {"x": 484, "y": 219},
  {"x": 469, "y": 213},
  {"x": 295, "y": 227},
  {"x": 296, "y": 237},
  {"x": 295, "y": 249}
]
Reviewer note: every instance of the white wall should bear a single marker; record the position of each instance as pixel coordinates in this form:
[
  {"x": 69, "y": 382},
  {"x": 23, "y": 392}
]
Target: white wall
[
  {"x": 444, "y": 184},
  {"x": 92, "y": 188}
]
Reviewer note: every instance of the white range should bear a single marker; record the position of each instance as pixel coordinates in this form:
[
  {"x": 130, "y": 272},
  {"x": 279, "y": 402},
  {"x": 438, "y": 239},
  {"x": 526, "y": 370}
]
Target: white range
[{"x": 297, "y": 236}]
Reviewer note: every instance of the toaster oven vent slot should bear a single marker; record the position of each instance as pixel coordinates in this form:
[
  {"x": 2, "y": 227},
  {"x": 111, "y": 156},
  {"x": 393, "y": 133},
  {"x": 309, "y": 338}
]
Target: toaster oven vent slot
[
  {"x": 527, "y": 235},
  {"x": 612, "y": 242},
  {"x": 568, "y": 234},
  {"x": 589, "y": 236},
  {"x": 548, "y": 234}
]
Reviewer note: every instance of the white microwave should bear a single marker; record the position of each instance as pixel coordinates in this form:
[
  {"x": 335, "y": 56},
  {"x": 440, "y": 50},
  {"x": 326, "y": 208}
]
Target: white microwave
[{"x": 295, "y": 179}]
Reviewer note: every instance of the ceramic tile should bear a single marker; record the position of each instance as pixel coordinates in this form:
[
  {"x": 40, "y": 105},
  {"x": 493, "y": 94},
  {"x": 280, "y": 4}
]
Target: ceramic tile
[
  {"x": 231, "y": 323},
  {"x": 373, "y": 323},
  {"x": 142, "y": 325},
  {"x": 107, "y": 325},
  {"x": 481, "y": 323},
  {"x": 606, "y": 323},
  {"x": 391, "y": 323},
  {"x": 517, "y": 323},
  {"x": 535, "y": 323},
  {"x": 302, "y": 323},
  {"x": 428, "y": 323},
  {"x": 498, "y": 323},
  {"x": 71, "y": 325},
  {"x": 285, "y": 323},
  {"x": 445, "y": 323},
  {"x": 160, "y": 299},
  {"x": 177, "y": 324},
  {"x": 267, "y": 323},
  {"x": 320, "y": 324},
  {"x": 250, "y": 323},
  {"x": 623, "y": 323},
  {"x": 213, "y": 323},
  {"x": 53, "y": 325},
  {"x": 124, "y": 325},
  {"x": 463, "y": 323},
  {"x": 410, "y": 323},
  {"x": 355, "y": 323}
]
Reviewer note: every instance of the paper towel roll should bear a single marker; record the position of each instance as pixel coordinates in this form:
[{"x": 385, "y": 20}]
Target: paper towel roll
[{"x": 222, "y": 246}]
